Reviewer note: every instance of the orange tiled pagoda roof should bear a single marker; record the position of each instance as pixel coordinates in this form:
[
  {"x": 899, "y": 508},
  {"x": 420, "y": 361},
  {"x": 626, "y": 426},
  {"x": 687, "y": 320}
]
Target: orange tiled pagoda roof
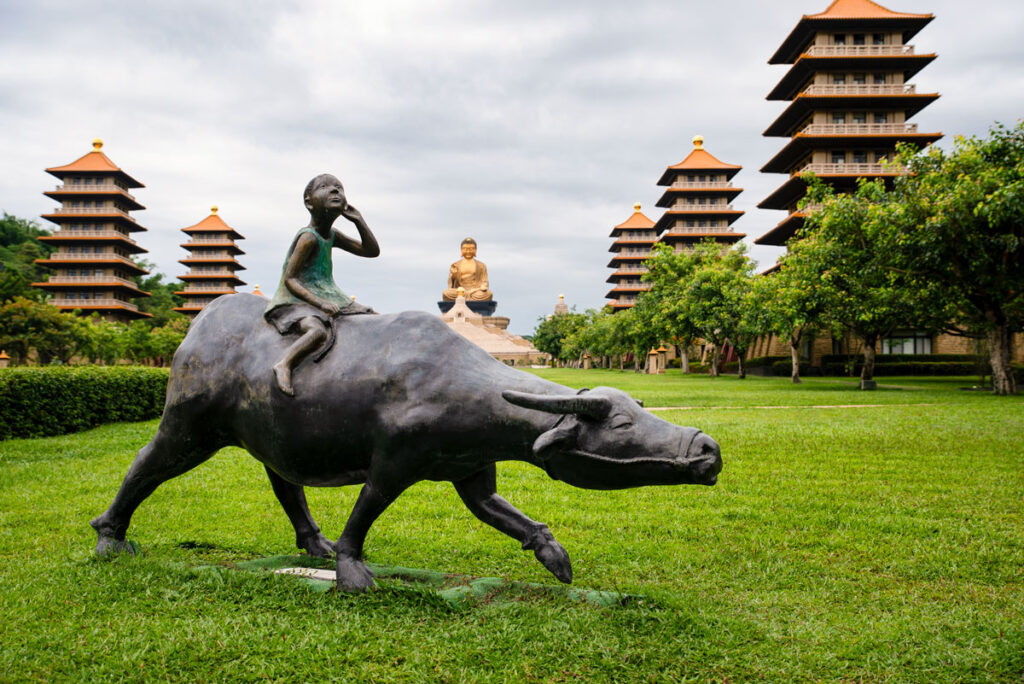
[
  {"x": 850, "y": 13},
  {"x": 94, "y": 162},
  {"x": 699, "y": 159},
  {"x": 637, "y": 220},
  {"x": 213, "y": 224}
]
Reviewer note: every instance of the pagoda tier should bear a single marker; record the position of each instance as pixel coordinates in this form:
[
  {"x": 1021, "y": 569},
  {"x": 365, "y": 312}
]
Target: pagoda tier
[
  {"x": 634, "y": 238},
  {"x": 93, "y": 269},
  {"x": 211, "y": 262},
  {"x": 697, "y": 200},
  {"x": 849, "y": 103}
]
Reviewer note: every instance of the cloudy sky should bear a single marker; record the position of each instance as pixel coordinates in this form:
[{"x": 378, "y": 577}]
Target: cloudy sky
[{"x": 531, "y": 126}]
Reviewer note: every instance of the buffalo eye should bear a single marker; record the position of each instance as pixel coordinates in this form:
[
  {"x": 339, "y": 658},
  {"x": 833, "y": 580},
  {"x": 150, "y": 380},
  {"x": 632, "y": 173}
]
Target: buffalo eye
[{"x": 621, "y": 422}]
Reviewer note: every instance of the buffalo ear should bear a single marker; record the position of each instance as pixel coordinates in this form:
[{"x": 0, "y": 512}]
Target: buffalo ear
[{"x": 557, "y": 436}]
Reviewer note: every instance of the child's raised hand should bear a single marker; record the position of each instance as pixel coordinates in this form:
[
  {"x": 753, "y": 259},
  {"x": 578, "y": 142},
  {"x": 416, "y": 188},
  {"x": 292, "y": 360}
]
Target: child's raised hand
[{"x": 352, "y": 214}]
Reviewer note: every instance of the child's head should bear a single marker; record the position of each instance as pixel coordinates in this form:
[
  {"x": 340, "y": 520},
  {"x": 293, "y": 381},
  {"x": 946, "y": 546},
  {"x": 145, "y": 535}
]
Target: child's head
[{"x": 315, "y": 200}]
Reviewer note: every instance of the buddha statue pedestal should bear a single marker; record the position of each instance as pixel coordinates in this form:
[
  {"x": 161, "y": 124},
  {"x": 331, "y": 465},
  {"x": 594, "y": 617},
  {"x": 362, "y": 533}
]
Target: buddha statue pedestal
[{"x": 484, "y": 308}]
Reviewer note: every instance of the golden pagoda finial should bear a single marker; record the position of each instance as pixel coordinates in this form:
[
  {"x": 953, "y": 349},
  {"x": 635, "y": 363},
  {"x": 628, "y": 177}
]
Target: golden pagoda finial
[
  {"x": 97, "y": 144},
  {"x": 256, "y": 291},
  {"x": 698, "y": 142},
  {"x": 636, "y": 207},
  {"x": 462, "y": 291},
  {"x": 561, "y": 296},
  {"x": 213, "y": 209}
]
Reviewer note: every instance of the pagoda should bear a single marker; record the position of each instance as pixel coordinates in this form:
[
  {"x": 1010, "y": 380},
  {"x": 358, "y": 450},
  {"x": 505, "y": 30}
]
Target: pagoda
[
  {"x": 92, "y": 265},
  {"x": 211, "y": 262},
  {"x": 849, "y": 102},
  {"x": 698, "y": 200},
  {"x": 634, "y": 238}
]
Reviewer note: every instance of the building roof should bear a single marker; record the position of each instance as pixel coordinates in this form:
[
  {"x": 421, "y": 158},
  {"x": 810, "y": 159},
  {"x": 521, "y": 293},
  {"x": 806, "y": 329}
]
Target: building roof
[
  {"x": 213, "y": 224},
  {"x": 637, "y": 220},
  {"x": 94, "y": 162},
  {"x": 855, "y": 14},
  {"x": 861, "y": 9},
  {"x": 699, "y": 159}
]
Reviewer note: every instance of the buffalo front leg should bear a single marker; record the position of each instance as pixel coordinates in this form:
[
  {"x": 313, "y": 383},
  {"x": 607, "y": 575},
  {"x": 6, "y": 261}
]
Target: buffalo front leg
[
  {"x": 479, "y": 493},
  {"x": 353, "y": 575},
  {"x": 293, "y": 500},
  {"x": 169, "y": 454}
]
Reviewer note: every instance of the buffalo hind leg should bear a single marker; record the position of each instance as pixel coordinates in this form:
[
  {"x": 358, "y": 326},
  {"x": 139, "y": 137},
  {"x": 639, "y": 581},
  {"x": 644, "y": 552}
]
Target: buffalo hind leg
[
  {"x": 479, "y": 493},
  {"x": 165, "y": 457},
  {"x": 353, "y": 575},
  {"x": 293, "y": 500}
]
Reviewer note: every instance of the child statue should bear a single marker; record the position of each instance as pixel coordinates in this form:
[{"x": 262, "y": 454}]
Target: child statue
[{"x": 308, "y": 300}]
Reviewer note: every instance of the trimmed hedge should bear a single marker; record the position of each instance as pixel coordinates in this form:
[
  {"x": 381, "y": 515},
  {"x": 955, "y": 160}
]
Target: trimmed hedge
[
  {"x": 903, "y": 358},
  {"x": 54, "y": 400}
]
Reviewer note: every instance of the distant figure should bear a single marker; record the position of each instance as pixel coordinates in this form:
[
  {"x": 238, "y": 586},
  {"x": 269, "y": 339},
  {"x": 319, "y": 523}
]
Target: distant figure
[
  {"x": 469, "y": 274},
  {"x": 307, "y": 299}
]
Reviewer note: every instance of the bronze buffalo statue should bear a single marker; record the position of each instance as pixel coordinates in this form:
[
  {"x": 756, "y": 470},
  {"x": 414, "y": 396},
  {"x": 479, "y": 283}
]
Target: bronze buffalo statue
[{"x": 399, "y": 399}]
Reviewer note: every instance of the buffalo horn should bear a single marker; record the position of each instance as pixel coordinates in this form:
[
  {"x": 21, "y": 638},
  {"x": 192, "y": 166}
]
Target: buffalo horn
[{"x": 591, "y": 407}]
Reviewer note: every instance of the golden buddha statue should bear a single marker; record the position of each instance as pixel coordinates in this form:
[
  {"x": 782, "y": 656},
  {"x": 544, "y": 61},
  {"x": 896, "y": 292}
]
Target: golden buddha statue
[{"x": 469, "y": 275}]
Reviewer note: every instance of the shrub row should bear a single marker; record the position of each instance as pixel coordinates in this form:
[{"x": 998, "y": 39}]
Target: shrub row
[
  {"x": 902, "y": 358},
  {"x": 54, "y": 400}
]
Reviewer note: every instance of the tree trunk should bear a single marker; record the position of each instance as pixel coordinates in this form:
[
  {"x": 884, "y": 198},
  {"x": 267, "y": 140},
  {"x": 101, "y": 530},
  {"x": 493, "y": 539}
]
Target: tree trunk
[
  {"x": 713, "y": 370},
  {"x": 621, "y": 360},
  {"x": 999, "y": 342},
  {"x": 794, "y": 352},
  {"x": 740, "y": 367},
  {"x": 868, "y": 370},
  {"x": 684, "y": 360}
]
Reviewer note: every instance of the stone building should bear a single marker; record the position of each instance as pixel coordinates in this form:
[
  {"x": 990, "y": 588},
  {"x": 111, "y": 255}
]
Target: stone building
[
  {"x": 698, "y": 200},
  {"x": 211, "y": 261},
  {"x": 93, "y": 267},
  {"x": 634, "y": 238},
  {"x": 850, "y": 101}
]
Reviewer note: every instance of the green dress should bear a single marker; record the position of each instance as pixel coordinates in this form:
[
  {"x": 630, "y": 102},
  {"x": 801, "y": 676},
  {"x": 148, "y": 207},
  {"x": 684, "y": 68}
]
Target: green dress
[{"x": 285, "y": 310}]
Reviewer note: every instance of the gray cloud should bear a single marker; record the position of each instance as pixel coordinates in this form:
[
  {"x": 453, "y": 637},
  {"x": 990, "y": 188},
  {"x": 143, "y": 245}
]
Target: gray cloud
[{"x": 532, "y": 126}]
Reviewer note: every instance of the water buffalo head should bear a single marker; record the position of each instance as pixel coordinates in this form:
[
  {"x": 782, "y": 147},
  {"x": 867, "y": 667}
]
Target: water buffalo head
[{"x": 603, "y": 439}]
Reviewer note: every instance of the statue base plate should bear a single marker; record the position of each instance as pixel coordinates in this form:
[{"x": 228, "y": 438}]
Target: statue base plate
[{"x": 482, "y": 308}]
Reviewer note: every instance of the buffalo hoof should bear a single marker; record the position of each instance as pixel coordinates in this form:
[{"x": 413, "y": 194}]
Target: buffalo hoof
[
  {"x": 554, "y": 557},
  {"x": 108, "y": 546},
  {"x": 353, "y": 575},
  {"x": 316, "y": 545}
]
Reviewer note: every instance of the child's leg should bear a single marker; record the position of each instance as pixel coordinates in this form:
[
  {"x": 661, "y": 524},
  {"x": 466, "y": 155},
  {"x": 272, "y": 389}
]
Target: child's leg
[{"x": 312, "y": 334}]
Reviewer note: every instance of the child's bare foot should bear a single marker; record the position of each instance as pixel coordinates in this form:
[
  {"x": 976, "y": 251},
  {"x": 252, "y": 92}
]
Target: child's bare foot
[{"x": 284, "y": 378}]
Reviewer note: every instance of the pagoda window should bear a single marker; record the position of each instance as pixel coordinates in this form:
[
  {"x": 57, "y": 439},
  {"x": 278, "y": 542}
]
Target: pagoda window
[
  {"x": 879, "y": 79},
  {"x": 860, "y": 157},
  {"x": 689, "y": 224},
  {"x": 881, "y": 117},
  {"x": 860, "y": 117},
  {"x": 878, "y": 39},
  {"x": 838, "y": 117},
  {"x": 87, "y": 181},
  {"x": 860, "y": 79},
  {"x": 702, "y": 224},
  {"x": 839, "y": 39},
  {"x": 838, "y": 79},
  {"x": 838, "y": 157},
  {"x": 858, "y": 39}
]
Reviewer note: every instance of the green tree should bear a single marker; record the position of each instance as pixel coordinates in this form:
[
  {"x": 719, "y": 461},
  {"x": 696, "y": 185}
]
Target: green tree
[
  {"x": 840, "y": 246},
  {"x": 793, "y": 303},
  {"x": 958, "y": 228},
  {"x": 19, "y": 250},
  {"x": 712, "y": 297},
  {"x": 552, "y": 333},
  {"x": 162, "y": 299},
  {"x": 27, "y": 325}
]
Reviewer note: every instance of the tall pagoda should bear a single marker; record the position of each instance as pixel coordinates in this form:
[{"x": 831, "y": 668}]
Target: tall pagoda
[
  {"x": 849, "y": 102},
  {"x": 211, "y": 262},
  {"x": 92, "y": 267},
  {"x": 698, "y": 200},
  {"x": 634, "y": 238}
]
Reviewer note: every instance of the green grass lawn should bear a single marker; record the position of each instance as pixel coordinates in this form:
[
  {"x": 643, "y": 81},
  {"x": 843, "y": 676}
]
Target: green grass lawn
[{"x": 880, "y": 542}]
